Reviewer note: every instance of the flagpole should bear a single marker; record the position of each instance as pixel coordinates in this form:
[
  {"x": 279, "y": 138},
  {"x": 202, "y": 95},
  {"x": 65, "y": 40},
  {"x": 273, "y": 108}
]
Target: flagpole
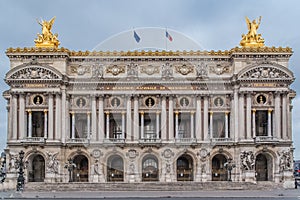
[{"x": 166, "y": 39}]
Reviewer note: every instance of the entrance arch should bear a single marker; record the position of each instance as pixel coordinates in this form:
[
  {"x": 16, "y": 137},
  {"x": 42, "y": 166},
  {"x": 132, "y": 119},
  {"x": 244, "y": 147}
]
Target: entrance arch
[
  {"x": 81, "y": 171},
  {"x": 263, "y": 167},
  {"x": 184, "y": 165},
  {"x": 36, "y": 169},
  {"x": 219, "y": 173},
  {"x": 150, "y": 169},
  {"x": 115, "y": 168}
]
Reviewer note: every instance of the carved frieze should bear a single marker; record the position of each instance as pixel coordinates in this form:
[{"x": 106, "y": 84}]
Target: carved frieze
[
  {"x": 247, "y": 160},
  {"x": 265, "y": 72},
  {"x": 34, "y": 73},
  {"x": 201, "y": 70},
  {"x": 132, "y": 70},
  {"x": 53, "y": 163},
  {"x": 219, "y": 68},
  {"x": 150, "y": 69},
  {"x": 184, "y": 69},
  {"x": 97, "y": 71},
  {"x": 285, "y": 160},
  {"x": 80, "y": 70},
  {"x": 168, "y": 153},
  {"x": 115, "y": 69}
]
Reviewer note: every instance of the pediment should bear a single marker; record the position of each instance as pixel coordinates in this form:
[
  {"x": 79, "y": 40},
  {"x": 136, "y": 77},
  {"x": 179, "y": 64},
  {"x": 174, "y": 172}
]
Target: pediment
[
  {"x": 33, "y": 71},
  {"x": 266, "y": 71}
]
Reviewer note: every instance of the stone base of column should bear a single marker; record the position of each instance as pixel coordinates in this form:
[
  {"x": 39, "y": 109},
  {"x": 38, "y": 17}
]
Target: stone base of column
[
  {"x": 250, "y": 176},
  {"x": 51, "y": 178},
  {"x": 288, "y": 179}
]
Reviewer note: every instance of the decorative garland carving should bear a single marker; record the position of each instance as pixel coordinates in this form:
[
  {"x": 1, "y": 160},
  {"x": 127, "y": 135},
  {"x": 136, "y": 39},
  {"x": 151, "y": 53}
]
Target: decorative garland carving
[
  {"x": 150, "y": 69},
  {"x": 115, "y": 70},
  {"x": 34, "y": 72},
  {"x": 265, "y": 72},
  {"x": 184, "y": 69}
]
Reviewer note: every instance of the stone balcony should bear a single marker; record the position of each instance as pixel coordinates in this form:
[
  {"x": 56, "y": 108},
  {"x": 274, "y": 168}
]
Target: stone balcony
[
  {"x": 34, "y": 140},
  {"x": 221, "y": 141},
  {"x": 265, "y": 139}
]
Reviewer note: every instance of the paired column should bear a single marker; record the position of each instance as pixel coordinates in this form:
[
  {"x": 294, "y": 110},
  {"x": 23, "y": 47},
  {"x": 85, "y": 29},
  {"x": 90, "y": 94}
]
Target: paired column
[
  {"x": 51, "y": 117},
  {"x": 45, "y": 124},
  {"x": 107, "y": 124},
  {"x": 65, "y": 116},
  {"x": 171, "y": 118},
  {"x": 236, "y": 114},
  {"x": 270, "y": 123},
  {"x": 128, "y": 119},
  {"x": 73, "y": 126},
  {"x": 205, "y": 118},
  {"x": 123, "y": 125},
  {"x": 57, "y": 116},
  {"x": 226, "y": 125},
  {"x": 241, "y": 134},
  {"x": 142, "y": 124},
  {"x": 192, "y": 124},
  {"x": 253, "y": 123},
  {"x": 14, "y": 117},
  {"x": 136, "y": 118},
  {"x": 21, "y": 121},
  {"x": 88, "y": 125},
  {"x": 176, "y": 125},
  {"x": 100, "y": 120},
  {"x": 248, "y": 116},
  {"x": 284, "y": 116},
  {"x": 157, "y": 124},
  {"x": 198, "y": 119},
  {"x": 211, "y": 124},
  {"x": 277, "y": 115},
  {"x": 163, "y": 118},
  {"x": 29, "y": 123},
  {"x": 94, "y": 118}
]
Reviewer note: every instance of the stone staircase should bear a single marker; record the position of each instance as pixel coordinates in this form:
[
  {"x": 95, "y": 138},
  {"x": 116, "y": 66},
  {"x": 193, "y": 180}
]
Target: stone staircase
[{"x": 151, "y": 186}]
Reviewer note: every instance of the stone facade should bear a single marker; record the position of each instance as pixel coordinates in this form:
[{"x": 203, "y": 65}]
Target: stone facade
[{"x": 150, "y": 116}]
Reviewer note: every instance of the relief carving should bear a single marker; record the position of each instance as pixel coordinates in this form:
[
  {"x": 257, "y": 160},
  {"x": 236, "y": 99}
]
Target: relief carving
[
  {"x": 53, "y": 163},
  {"x": 132, "y": 70},
  {"x": 97, "y": 71},
  {"x": 132, "y": 154},
  {"x": 247, "y": 160},
  {"x": 264, "y": 73},
  {"x": 184, "y": 69},
  {"x": 115, "y": 70},
  {"x": 219, "y": 68},
  {"x": 150, "y": 69},
  {"x": 201, "y": 70},
  {"x": 34, "y": 73},
  {"x": 168, "y": 153},
  {"x": 80, "y": 70},
  {"x": 167, "y": 71},
  {"x": 285, "y": 160}
]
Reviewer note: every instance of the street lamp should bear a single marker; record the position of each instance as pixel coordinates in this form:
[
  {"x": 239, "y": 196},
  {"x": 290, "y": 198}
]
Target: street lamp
[
  {"x": 20, "y": 166},
  {"x": 3, "y": 167},
  {"x": 229, "y": 166},
  {"x": 70, "y": 166}
]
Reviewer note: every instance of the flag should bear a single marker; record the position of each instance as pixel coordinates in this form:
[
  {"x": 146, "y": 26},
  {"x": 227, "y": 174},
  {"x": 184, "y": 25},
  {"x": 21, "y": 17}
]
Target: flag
[
  {"x": 136, "y": 37},
  {"x": 169, "y": 36}
]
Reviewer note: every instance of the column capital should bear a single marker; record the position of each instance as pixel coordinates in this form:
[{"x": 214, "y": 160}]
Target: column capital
[
  {"x": 254, "y": 110},
  {"x": 72, "y": 112},
  {"x": 123, "y": 112},
  {"x": 142, "y": 112},
  {"x": 270, "y": 110},
  {"x": 45, "y": 111},
  {"x": 29, "y": 111},
  {"x": 107, "y": 112},
  {"x": 88, "y": 112},
  {"x": 211, "y": 112},
  {"x": 192, "y": 112},
  {"x": 157, "y": 112},
  {"x": 176, "y": 112},
  {"x": 227, "y": 112}
]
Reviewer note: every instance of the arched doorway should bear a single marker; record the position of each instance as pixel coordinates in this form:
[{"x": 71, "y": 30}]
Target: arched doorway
[
  {"x": 36, "y": 169},
  {"x": 263, "y": 167},
  {"x": 184, "y": 167},
  {"x": 81, "y": 171},
  {"x": 115, "y": 168},
  {"x": 219, "y": 173},
  {"x": 150, "y": 169}
]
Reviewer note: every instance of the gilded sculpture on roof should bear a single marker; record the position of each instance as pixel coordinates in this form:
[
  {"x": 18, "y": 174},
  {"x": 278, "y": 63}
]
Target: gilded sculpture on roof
[
  {"x": 47, "y": 38},
  {"x": 252, "y": 38}
]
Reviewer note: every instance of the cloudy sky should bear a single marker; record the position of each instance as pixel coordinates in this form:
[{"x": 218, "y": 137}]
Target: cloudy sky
[{"x": 212, "y": 25}]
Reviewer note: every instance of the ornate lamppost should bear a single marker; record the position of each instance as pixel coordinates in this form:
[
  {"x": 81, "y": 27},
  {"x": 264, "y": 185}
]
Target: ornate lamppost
[
  {"x": 20, "y": 165},
  {"x": 70, "y": 166},
  {"x": 3, "y": 167},
  {"x": 229, "y": 167}
]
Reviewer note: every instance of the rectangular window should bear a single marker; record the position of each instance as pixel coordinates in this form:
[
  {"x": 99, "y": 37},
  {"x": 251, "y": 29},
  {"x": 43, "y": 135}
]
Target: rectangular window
[
  {"x": 37, "y": 124},
  {"x": 261, "y": 123}
]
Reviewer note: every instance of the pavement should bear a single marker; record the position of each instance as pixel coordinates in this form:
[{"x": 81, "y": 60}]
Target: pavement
[{"x": 289, "y": 193}]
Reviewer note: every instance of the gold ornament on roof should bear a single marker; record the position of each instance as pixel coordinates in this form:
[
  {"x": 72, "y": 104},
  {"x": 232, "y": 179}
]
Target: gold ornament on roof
[
  {"x": 47, "y": 39},
  {"x": 252, "y": 39}
]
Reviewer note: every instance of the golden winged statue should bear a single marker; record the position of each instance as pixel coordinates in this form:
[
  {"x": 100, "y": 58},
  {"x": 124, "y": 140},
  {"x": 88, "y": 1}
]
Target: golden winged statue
[
  {"x": 47, "y": 38},
  {"x": 252, "y": 38}
]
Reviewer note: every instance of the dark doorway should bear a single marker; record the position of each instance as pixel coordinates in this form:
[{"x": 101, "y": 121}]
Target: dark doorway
[
  {"x": 261, "y": 168},
  {"x": 36, "y": 171},
  {"x": 81, "y": 171},
  {"x": 115, "y": 168},
  {"x": 150, "y": 169},
  {"x": 219, "y": 173},
  {"x": 185, "y": 168}
]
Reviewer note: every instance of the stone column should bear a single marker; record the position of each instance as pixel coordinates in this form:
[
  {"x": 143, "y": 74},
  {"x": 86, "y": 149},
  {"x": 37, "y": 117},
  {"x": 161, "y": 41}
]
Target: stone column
[
  {"x": 253, "y": 123},
  {"x": 73, "y": 126},
  {"x": 14, "y": 117},
  {"x": 176, "y": 124},
  {"x": 192, "y": 125},
  {"x": 163, "y": 119},
  {"x": 94, "y": 118},
  {"x": 64, "y": 115},
  {"x": 198, "y": 119},
  {"x": 9, "y": 119},
  {"x": 136, "y": 118},
  {"x": 142, "y": 124},
  {"x": 277, "y": 115},
  {"x": 21, "y": 116},
  {"x": 128, "y": 119},
  {"x": 241, "y": 134},
  {"x": 157, "y": 125},
  {"x": 29, "y": 123},
  {"x": 171, "y": 118},
  {"x": 101, "y": 120},
  {"x": 88, "y": 121},
  {"x": 205, "y": 118},
  {"x": 226, "y": 125},
  {"x": 45, "y": 123},
  {"x": 107, "y": 124},
  {"x": 50, "y": 117},
  {"x": 270, "y": 123},
  {"x": 284, "y": 116},
  {"x": 57, "y": 116},
  {"x": 123, "y": 124},
  {"x": 236, "y": 114},
  {"x": 211, "y": 131},
  {"x": 248, "y": 116}
]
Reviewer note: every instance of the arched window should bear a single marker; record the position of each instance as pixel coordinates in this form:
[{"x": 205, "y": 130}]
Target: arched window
[
  {"x": 115, "y": 168},
  {"x": 185, "y": 169},
  {"x": 150, "y": 169},
  {"x": 81, "y": 171},
  {"x": 36, "y": 169},
  {"x": 219, "y": 173}
]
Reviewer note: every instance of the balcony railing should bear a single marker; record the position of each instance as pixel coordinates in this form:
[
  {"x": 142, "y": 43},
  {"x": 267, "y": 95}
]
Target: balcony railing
[
  {"x": 33, "y": 140},
  {"x": 150, "y": 140},
  {"x": 185, "y": 140},
  {"x": 114, "y": 140},
  {"x": 78, "y": 141},
  {"x": 265, "y": 139}
]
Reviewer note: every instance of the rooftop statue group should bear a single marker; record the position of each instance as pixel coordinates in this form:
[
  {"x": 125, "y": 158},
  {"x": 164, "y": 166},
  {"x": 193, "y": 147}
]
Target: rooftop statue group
[
  {"x": 47, "y": 38},
  {"x": 252, "y": 39}
]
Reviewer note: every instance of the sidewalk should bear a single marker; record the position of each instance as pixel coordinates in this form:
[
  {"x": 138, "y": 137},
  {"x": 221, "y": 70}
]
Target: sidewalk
[{"x": 152, "y": 194}]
